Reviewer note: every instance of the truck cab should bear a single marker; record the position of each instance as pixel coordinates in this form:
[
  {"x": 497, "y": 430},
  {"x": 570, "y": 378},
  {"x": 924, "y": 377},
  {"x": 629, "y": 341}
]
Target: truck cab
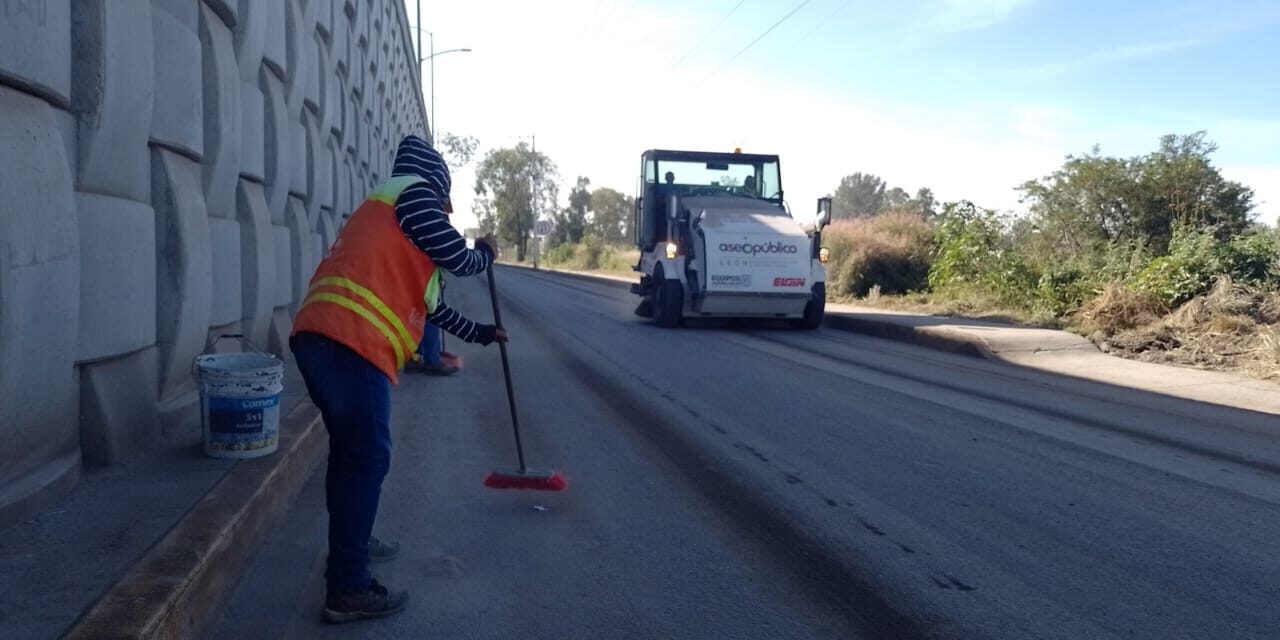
[{"x": 716, "y": 240}]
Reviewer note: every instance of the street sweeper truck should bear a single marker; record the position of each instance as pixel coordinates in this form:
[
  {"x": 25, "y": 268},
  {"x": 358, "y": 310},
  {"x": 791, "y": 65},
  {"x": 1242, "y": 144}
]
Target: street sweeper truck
[{"x": 717, "y": 239}]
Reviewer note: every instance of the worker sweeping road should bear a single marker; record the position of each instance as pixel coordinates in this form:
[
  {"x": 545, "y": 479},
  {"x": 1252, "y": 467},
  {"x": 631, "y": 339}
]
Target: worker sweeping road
[{"x": 359, "y": 325}]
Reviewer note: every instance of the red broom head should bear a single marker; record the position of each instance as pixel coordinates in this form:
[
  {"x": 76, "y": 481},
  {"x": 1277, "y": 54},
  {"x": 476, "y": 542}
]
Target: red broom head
[{"x": 531, "y": 479}]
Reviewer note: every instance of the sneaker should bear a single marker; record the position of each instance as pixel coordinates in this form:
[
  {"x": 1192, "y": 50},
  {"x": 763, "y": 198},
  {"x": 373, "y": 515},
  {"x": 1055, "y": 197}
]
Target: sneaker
[
  {"x": 451, "y": 359},
  {"x": 375, "y": 602},
  {"x": 439, "y": 369},
  {"x": 380, "y": 551}
]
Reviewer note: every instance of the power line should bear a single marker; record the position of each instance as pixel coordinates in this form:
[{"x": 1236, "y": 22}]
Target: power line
[
  {"x": 822, "y": 23},
  {"x": 758, "y": 39},
  {"x": 708, "y": 34}
]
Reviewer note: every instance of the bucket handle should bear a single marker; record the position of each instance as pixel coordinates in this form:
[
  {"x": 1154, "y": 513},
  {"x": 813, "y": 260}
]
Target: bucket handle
[{"x": 244, "y": 341}]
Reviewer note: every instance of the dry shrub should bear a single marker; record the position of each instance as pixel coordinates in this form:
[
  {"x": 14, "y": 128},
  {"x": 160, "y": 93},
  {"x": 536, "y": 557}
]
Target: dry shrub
[
  {"x": 892, "y": 251},
  {"x": 1118, "y": 308},
  {"x": 1265, "y": 361}
]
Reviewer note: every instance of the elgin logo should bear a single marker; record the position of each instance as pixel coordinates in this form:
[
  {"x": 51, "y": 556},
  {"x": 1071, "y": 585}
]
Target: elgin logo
[{"x": 788, "y": 282}]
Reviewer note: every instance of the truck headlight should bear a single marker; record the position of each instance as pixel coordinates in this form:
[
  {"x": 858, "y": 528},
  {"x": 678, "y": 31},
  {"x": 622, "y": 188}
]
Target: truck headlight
[
  {"x": 824, "y": 254},
  {"x": 672, "y": 251}
]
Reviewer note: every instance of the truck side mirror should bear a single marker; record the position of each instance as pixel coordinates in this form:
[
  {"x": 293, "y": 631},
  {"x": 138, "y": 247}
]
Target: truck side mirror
[{"x": 824, "y": 212}]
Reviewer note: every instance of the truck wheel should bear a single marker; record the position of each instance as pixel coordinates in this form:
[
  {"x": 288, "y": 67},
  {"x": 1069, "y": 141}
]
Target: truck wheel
[
  {"x": 815, "y": 309},
  {"x": 668, "y": 300}
]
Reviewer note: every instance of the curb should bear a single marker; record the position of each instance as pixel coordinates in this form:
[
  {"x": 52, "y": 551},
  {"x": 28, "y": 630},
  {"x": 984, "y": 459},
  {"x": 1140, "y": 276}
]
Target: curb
[
  {"x": 176, "y": 589},
  {"x": 934, "y": 338}
]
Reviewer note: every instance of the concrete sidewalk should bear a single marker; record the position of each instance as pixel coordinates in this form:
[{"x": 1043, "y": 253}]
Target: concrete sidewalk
[{"x": 173, "y": 588}]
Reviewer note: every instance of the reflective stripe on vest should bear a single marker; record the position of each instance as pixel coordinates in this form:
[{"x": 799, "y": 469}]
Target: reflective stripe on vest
[{"x": 386, "y": 321}]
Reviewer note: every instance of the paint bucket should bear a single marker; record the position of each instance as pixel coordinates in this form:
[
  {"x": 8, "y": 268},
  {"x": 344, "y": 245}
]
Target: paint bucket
[{"x": 239, "y": 401}]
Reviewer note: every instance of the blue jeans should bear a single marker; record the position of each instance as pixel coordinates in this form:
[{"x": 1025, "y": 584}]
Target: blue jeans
[
  {"x": 354, "y": 399},
  {"x": 429, "y": 348}
]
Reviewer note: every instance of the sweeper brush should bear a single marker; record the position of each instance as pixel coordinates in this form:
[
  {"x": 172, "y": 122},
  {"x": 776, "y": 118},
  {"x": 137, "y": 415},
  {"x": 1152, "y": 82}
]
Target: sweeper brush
[{"x": 522, "y": 477}]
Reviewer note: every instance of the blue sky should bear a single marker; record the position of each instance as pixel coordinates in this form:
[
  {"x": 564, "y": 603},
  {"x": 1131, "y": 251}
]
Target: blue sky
[{"x": 968, "y": 97}]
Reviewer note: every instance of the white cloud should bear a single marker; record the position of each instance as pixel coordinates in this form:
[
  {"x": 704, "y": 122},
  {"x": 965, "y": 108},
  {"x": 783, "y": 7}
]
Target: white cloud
[
  {"x": 952, "y": 16},
  {"x": 1111, "y": 56}
]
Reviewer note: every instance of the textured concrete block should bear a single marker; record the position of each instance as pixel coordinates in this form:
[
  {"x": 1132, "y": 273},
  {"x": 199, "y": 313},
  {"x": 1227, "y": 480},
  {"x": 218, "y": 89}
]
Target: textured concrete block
[
  {"x": 35, "y": 48},
  {"x": 327, "y": 226},
  {"x": 299, "y": 160},
  {"x": 284, "y": 265},
  {"x": 177, "y": 118},
  {"x": 221, "y": 115},
  {"x": 224, "y": 242},
  {"x": 39, "y": 306},
  {"x": 279, "y": 145},
  {"x": 184, "y": 269},
  {"x": 187, "y": 13},
  {"x": 315, "y": 74},
  {"x": 117, "y": 276},
  {"x": 252, "y": 132},
  {"x": 341, "y": 181},
  {"x": 67, "y": 127},
  {"x": 340, "y": 40},
  {"x": 356, "y": 193},
  {"x": 113, "y": 42},
  {"x": 338, "y": 110},
  {"x": 351, "y": 128},
  {"x": 301, "y": 50},
  {"x": 257, "y": 261},
  {"x": 322, "y": 184},
  {"x": 303, "y": 256},
  {"x": 316, "y": 166},
  {"x": 225, "y": 10},
  {"x": 276, "y": 54},
  {"x": 332, "y": 108},
  {"x": 324, "y": 18},
  {"x": 356, "y": 77},
  {"x": 251, "y": 35},
  {"x": 318, "y": 248},
  {"x": 278, "y": 333},
  {"x": 118, "y": 417}
]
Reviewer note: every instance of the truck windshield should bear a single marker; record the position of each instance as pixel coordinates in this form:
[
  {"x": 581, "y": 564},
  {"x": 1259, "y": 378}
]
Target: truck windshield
[{"x": 755, "y": 179}]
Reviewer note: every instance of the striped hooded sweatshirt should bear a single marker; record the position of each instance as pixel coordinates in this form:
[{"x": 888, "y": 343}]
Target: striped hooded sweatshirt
[{"x": 421, "y": 213}]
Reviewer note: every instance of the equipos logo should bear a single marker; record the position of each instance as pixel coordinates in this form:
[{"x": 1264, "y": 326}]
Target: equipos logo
[
  {"x": 788, "y": 282},
  {"x": 743, "y": 280},
  {"x": 757, "y": 249}
]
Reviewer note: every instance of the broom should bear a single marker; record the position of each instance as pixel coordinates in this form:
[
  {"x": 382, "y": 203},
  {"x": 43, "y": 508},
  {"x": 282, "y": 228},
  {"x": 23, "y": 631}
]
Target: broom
[{"x": 523, "y": 477}]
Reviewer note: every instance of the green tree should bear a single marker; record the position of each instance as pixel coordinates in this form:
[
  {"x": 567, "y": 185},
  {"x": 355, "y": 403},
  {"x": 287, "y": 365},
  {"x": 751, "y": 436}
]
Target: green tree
[
  {"x": 924, "y": 203},
  {"x": 895, "y": 198},
  {"x": 1095, "y": 201},
  {"x": 458, "y": 150},
  {"x": 511, "y": 185},
  {"x": 611, "y": 215},
  {"x": 858, "y": 195},
  {"x": 571, "y": 222}
]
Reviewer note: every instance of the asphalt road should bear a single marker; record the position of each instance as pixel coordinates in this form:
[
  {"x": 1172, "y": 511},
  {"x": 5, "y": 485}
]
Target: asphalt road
[{"x": 759, "y": 482}]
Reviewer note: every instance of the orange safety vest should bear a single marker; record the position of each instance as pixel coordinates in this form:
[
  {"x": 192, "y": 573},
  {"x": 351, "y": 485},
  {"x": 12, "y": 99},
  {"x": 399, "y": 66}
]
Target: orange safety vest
[{"x": 375, "y": 289}]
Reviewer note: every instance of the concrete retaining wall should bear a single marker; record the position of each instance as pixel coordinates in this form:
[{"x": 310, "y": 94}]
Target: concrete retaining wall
[{"x": 172, "y": 169}]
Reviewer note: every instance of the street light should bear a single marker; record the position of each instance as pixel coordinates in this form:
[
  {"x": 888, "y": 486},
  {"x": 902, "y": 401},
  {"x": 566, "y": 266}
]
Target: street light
[{"x": 431, "y": 39}]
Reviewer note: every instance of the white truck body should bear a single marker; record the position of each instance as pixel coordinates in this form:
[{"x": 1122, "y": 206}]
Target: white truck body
[{"x": 717, "y": 250}]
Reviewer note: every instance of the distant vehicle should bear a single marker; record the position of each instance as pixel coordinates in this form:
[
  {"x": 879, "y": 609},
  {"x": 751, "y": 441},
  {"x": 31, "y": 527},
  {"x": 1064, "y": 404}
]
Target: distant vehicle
[{"x": 717, "y": 240}]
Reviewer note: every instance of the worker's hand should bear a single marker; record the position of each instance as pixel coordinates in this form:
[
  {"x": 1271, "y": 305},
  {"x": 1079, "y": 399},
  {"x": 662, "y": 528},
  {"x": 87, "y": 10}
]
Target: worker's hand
[
  {"x": 490, "y": 241},
  {"x": 500, "y": 335}
]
